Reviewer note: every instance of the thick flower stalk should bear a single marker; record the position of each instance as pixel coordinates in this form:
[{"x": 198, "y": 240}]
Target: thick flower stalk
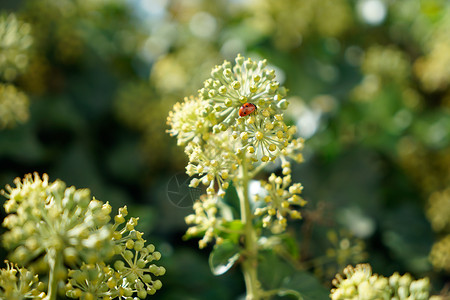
[
  {"x": 19, "y": 283},
  {"x": 231, "y": 131},
  {"x": 360, "y": 283}
]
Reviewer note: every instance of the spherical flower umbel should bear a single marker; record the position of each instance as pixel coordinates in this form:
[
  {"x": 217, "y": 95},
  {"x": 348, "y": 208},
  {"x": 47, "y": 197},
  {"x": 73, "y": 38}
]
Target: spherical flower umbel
[
  {"x": 136, "y": 266},
  {"x": 205, "y": 220},
  {"x": 360, "y": 283},
  {"x": 15, "y": 40},
  {"x": 214, "y": 161},
  {"x": 232, "y": 86},
  {"x": 14, "y": 106},
  {"x": 19, "y": 283},
  {"x": 48, "y": 217},
  {"x": 186, "y": 123},
  {"x": 263, "y": 136},
  {"x": 281, "y": 200}
]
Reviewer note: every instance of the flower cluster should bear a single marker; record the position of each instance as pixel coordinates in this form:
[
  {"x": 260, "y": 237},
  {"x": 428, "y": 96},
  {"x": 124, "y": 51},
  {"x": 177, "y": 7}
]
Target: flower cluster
[
  {"x": 130, "y": 272},
  {"x": 246, "y": 82},
  {"x": 214, "y": 161},
  {"x": 15, "y": 40},
  {"x": 19, "y": 283},
  {"x": 66, "y": 232},
  {"x": 185, "y": 121},
  {"x": 281, "y": 200},
  {"x": 205, "y": 221},
  {"x": 440, "y": 254},
  {"x": 46, "y": 215},
  {"x": 360, "y": 283},
  {"x": 13, "y": 106},
  {"x": 262, "y": 135},
  {"x": 220, "y": 140},
  {"x": 136, "y": 266}
]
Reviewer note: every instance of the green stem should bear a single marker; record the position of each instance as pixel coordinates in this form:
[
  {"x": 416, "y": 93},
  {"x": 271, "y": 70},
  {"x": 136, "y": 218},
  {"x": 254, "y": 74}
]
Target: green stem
[
  {"x": 54, "y": 260},
  {"x": 250, "y": 263}
]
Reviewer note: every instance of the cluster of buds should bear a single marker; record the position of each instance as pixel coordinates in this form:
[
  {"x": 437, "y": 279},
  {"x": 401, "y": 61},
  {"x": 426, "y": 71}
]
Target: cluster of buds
[
  {"x": 131, "y": 271},
  {"x": 49, "y": 222},
  {"x": 237, "y": 119},
  {"x": 19, "y": 283},
  {"x": 280, "y": 201},
  {"x": 205, "y": 221},
  {"x": 15, "y": 41},
  {"x": 360, "y": 283},
  {"x": 46, "y": 216},
  {"x": 261, "y": 135},
  {"x": 214, "y": 162}
]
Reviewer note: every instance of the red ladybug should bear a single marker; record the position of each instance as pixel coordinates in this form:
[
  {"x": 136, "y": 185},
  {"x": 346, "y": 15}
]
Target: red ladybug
[{"x": 247, "y": 109}]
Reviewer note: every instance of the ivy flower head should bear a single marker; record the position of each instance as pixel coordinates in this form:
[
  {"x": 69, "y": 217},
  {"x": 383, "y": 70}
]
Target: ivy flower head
[
  {"x": 14, "y": 106},
  {"x": 19, "y": 283},
  {"x": 186, "y": 123},
  {"x": 246, "y": 82},
  {"x": 281, "y": 201},
  {"x": 46, "y": 216},
  {"x": 214, "y": 161},
  {"x": 204, "y": 221},
  {"x": 360, "y": 283},
  {"x": 15, "y": 40},
  {"x": 136, "y": 268},
  {"x": 263, "y": 136}
]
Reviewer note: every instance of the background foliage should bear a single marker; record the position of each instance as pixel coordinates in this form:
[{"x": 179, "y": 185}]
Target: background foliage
[{"x": 369, "y": 86}]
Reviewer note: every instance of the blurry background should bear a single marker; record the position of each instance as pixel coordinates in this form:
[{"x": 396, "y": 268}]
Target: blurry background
[{"x": 86, "y": 86}]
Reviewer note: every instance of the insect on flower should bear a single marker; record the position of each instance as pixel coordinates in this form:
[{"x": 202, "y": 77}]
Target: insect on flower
[{"x": 247, "y": 109}]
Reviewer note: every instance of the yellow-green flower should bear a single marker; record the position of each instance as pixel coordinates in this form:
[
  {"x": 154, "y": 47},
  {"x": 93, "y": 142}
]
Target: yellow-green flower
[
  {"x": 281, "y": 201},
  {"x": 214, "y": 161},
  {"x": 205, "y": 220},
  {"x": 19, "y": 283},
  {"x": 232, "y": 86},
  {"x": 15, "y": 41},
  {"x": 49, "y": 218},
  {"x": 360, "y": 283},
  {"x": 13, "y": 106},
  {"x": 186, "y": 122}
]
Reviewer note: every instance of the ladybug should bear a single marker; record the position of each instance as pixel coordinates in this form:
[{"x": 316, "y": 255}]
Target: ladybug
[{"x": 247, "y": 109}]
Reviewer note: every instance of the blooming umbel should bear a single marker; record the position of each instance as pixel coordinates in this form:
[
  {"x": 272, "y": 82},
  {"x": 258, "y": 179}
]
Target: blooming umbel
[
  {"x": 214, "y": 161},
  {"x": 247, "y": 81},
  {"x": 15, "y": 40},
  {"x": 13, "y": 106},
  {"x": 262, "y": 135},
  {"x": 280, "y": 202},
  {"x": 360, "y": 283},
  {"x": 231, "y": 131},
  {"x": 186, "y": 123},
  {"x": 47, "y": 216},
  {"x": 19, "y": 283},
  {"x": 66, "y": 231},
  {"x": 205, "y": 220}
]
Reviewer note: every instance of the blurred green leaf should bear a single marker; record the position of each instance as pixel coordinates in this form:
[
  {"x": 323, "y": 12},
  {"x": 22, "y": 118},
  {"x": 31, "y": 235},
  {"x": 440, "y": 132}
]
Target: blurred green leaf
[{"x": 223, "y": 257}]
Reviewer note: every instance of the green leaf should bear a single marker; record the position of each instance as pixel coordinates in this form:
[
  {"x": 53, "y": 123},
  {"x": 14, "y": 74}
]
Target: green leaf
[
  {"x": 306, "y": 285},
  {"x": 223, "y": 257},
  {"x": 235, "y": 227}
]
